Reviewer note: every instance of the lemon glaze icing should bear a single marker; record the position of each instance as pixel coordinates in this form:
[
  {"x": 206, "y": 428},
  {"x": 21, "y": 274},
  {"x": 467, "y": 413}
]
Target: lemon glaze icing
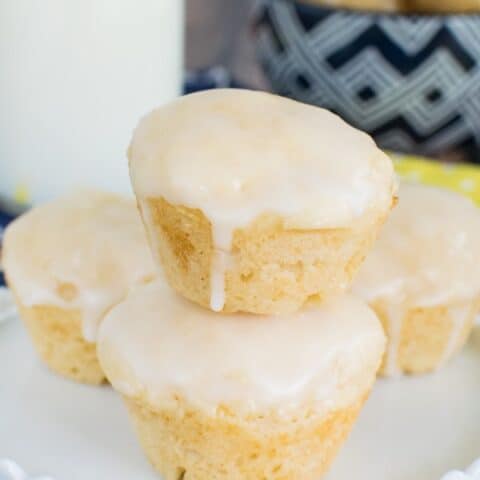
[{"x": 323, "y": 357}]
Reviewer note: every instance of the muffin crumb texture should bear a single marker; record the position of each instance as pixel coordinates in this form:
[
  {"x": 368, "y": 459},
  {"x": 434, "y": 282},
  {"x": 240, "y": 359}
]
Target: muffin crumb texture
[
  {"x": 423, "y": 339},
  {"x": 270, "y": 269},
  {"x": 57, "y": 336},
  {"x": 183, "y": 443}
]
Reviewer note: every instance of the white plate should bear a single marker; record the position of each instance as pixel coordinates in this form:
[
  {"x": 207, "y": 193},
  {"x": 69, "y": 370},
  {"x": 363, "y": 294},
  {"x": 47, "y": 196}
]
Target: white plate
[{"x": 411, "y": 429}]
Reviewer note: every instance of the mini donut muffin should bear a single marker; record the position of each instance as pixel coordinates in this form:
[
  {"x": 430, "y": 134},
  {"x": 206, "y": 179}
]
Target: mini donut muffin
[
  {"x": 374, "y": 5},
  {"x": 68, "y": 262},
  {"x": 256, "y": 203},
  {"x": 237, "y": 396},
  {"x": 422, "y": 278}
]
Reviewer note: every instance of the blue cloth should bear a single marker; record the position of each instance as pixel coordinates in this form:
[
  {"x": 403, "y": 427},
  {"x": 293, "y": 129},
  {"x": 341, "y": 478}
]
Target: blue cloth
[{"x": 209, "y": 78}]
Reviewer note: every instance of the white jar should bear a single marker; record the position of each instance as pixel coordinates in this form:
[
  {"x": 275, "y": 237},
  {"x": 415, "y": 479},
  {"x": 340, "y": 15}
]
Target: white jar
[{"x": 75, "y": 76}]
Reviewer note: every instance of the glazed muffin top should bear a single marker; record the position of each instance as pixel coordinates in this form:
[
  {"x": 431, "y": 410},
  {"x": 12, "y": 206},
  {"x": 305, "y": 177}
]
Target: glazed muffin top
[
  {"x": 323, "y": 357},
  {"x": 82, "y": 251},
  {"x": 237, "y": 154},
  {"x": 428, "y": 252}
]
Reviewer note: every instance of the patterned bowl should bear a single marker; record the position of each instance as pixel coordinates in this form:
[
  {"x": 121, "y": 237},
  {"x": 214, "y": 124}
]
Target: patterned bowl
[{"x": 411, "y": 81}]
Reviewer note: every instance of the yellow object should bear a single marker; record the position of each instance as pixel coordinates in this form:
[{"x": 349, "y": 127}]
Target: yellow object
[
  {"x": 21, "y": 194},
  {"x": 461, "y": 178}
]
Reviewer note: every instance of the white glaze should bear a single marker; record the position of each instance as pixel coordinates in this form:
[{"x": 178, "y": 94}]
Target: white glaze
[
  {"x": 236, "y": 154},
  {"x": 427, "y": 253},
  {"x": 324, "y": 357},
  {"x": 221, "y": 262},
  {"x": 93, "y": 241},
  {"x": 395, "y": 316}
]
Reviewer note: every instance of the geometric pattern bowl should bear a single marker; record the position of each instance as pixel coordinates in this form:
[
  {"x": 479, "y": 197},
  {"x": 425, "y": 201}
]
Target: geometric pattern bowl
[{"x": 411, "y": 81}]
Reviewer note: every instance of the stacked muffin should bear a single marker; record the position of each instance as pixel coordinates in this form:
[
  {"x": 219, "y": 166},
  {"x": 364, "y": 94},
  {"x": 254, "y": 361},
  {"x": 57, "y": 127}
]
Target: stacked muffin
[{"x": 259, "y": 211}]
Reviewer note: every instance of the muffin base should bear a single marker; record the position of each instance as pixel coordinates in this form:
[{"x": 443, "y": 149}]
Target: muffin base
[
  {"x": 270, "y": 270},
  {"x": 57, "y": 336},
  {"x": 426, "y": 338},
  {"x": 183, "y": 443}
]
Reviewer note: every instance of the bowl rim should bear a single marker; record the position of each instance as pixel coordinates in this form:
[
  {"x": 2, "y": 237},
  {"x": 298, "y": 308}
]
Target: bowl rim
[{"x": 306, "y": 5}]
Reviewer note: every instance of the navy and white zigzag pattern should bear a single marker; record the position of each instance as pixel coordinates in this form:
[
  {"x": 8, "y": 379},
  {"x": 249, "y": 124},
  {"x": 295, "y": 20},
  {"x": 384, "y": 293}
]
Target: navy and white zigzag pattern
[{"x": 412, "y": 82}]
